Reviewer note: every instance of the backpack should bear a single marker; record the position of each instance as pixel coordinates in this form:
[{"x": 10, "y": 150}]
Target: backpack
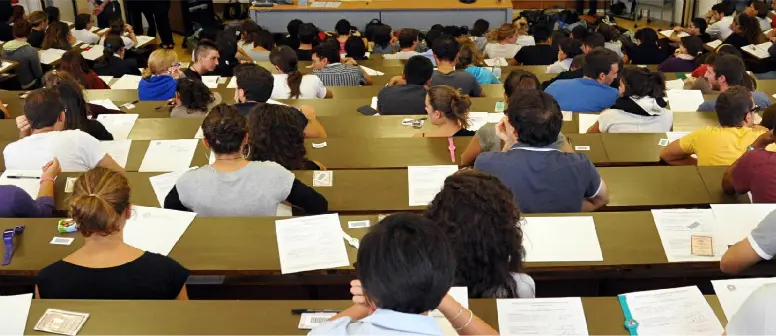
[
  {"x": 369, "y": 31},
  {"x": 234, "y": 11}
]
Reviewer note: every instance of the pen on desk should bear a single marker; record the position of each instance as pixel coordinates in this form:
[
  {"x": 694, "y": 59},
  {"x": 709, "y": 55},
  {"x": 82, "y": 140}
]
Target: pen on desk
[
  {"x": 23, "y": 177},
  {"x": 303, "y": 311},
  {"x": 132, "y": 103}
]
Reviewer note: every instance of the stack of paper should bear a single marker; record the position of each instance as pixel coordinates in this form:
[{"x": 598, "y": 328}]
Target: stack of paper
[
  {"x": 168, "y": 155},
  {"x": 684, "y": 100},
  {"x": 49, "y": 56},
  {"x": 560, "y": 239},
  {"x": 14, "y": 310},
  {"x": 310, "y": 243},
  {"x": 714, "y": 44},
  {"x": 127, "y": 82},
  {"x": 118, "y": 150},
  {"x": 676, "y": 228},
  {"x": 424, "y": 182},
  {"x": 733, "y": 292},
  {"x": 555, "y": 316},
  {"x": 210, "y": 81},
  {"x": 372, "y": 72},
  {"x": 668, "y": 33},
  {"x": 586, "y": 120},
  {"x": 736, "y": 221},
  {"x": 163, "y": 183},
  {"x": 496, "y": 62},
  {"x": 758, "y": 50},
  {"x": 156, "y": 230},
  {"x": 120, "y": 125},
  {"x": 28, "y": 180},
  {"x": 676, "y": 311},
  {"x": 93, "y": 53}
]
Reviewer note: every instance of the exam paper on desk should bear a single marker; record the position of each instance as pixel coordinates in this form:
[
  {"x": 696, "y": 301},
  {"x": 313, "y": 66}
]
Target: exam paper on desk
[
  {"x": 550, "y": 316},
  {"x": 168, "y": 155},
  {"x": 560, "y": 239},
  {"x": 14, "y": 311},
  {"x": 675, "y": 228},
  {"x": 163, "y": 183},
  {"x": 733, "y": 292},
  {"x": 30, "y": 185},
  {"x": 736, "y": 221},
  {"x": 586, "y": 120},
  {"x": 127, "y": 82},
  {"x": 424, "y": 182},
  {"x": 106, "y": 103},
  {"x": 118, "y": 150},
  {"x": 119, "y": 125},
  {"x": 156, "y": 230},
  {"x": 674, "y": 311},
  {"x": 310, "y": 243},
  {"x": 479, "y": 119},
  {"x": 684, "y": 100}
]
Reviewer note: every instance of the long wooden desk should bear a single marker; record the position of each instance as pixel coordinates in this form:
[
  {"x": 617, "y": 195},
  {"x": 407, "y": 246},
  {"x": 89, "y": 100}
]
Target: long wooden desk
[{"x": 268, "y": 317}]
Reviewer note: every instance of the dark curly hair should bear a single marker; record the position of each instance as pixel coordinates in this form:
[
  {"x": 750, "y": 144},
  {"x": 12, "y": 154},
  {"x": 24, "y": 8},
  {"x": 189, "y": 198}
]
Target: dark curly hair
[
  {"x": 194, "y": 95},
  {"x": 479, "y": 216},
  {"x": 224, "y": 129},
  {"x": 275, "y": 134}
]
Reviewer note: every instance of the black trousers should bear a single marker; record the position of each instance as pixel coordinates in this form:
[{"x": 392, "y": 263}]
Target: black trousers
[
  {"x": 581, "y": 6},
  {"x": 157, "y": 14},
  {"x": 112, "y": 11}
]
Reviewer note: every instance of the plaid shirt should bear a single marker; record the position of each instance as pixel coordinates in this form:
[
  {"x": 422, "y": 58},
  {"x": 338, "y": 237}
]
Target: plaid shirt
[{"x": 338, "y": 74}]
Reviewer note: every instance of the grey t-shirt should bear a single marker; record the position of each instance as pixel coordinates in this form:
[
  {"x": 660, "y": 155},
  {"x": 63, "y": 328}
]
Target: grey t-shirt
[
  {"x": 490, "y": 142},
  {"x": 402, "y": 100},
  {"x": 254, "y": 190},
  {"x": 763, "y": 237},
  {"x": 460, "y": 80}
]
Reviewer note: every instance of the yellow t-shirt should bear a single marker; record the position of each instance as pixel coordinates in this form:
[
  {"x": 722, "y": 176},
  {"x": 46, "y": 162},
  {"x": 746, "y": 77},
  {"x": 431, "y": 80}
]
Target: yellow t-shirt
[{"x": 719, "y": 146}]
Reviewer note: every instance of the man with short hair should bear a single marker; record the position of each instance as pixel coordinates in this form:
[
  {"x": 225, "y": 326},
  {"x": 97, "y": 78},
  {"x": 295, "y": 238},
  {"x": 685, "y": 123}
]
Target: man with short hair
[
  {"x": 408, "y": 42},
  {"x": 729, "y": 70},
  {"x": 719, "y": 145},
  {"x": 446, "y": 50},
  {"x": 592, "y": 92},
  {"x": 593, "y": 41},
  {"x": 568, "y": 49},
  {"x": 409, "y": 98},
  {"x": 82, "y": 29},
  {"x": 542, "y": 178},
  {"x": 542, "y": 53},
  {"x": 307, "y": 36},
  {"x": 328, "y": 67},
  {"x": 47, "y": 139},
  {"x": 723, "y": 18},
  {"x": 254, "y": 87},
  {"x": 205, "y": 60}
]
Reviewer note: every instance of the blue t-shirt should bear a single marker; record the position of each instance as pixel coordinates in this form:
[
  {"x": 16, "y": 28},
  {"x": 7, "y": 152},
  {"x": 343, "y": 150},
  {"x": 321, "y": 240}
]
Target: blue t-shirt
[
  {"x": 582, "y": 95},
  {"x": 760, "y": 99},
  {"x": 160, "y": 87},
  {"x": 543, "y": 180},
  {"x": 483, "y": 75}
]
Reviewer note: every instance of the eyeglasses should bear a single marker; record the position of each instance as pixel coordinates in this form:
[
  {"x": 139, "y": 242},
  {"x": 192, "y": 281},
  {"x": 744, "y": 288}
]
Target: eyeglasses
[
  {"x": 176, "y": 64},
  {"x": 754, "y": 109}
]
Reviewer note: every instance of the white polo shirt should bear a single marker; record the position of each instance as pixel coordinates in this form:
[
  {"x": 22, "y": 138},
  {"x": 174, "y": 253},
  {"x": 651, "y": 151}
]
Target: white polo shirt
[{"x": 76, "y": 151}]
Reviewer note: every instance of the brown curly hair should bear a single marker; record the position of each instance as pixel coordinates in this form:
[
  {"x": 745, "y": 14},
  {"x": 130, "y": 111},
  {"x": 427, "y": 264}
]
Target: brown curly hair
[
  {"x": 479, "y": 216},
  {"x": 275, "y": 134},
  {"x": 224, "y": 129}
]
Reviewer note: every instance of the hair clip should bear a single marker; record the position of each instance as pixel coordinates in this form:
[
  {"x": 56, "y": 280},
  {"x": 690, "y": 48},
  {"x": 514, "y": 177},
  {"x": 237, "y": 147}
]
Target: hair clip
[{"x": 107, "y": 45}]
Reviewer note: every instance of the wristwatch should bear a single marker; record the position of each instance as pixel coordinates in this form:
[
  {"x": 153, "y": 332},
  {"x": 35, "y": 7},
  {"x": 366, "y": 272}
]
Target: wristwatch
[
  {"x": 451, "y": 148},
  {"x": 8, "y": 239}
]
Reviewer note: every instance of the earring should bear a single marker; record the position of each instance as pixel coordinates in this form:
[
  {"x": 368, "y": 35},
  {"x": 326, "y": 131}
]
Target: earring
[{"x": 247, "y": 152}]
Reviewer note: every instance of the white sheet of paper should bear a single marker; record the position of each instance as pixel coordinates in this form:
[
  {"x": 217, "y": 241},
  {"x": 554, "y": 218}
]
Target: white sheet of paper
[
  {"x": 714, "y": 44},
  {"x": 118, "y": 150},
  {"x": 550, "y": 316},
  {"x": 120, "y": 125},
  {"x": 684, "y": 100},
  {"x": 200, "y": 134},
  {"x": 168, "y": 155},
  {"x": 586, "y": 120},
  {"x": 676, "y": 84},
  {"x": 232, "y": 83},
  {"x": 736, "y": 221},
  {"x": 372, "y": 72},
  {"x": 51, "y": 55},
  {"x": 210, "y": 81},
  {"x": 106, "y": 79},
  {"x": 108, "y": 104},
  {"x": 733, "y": 292},
  {"x": 127, "y": 82},
  {"x": 560, "y": 239},
  {"x": 310, "y": 243},
  {"x": 374, "y": 103},
  {"x": 675, "y": 227},
  {"x": 668, "y": 33},
  {"x": 674, "y": 311},
  {"x": 284, "y": 210},
  {"x": 568, "y": 116},
  {"x": 14, "y": 310},
  {"x": 673, "y": 136},
  {"x": 496, "y": 62},
  {"x": 93, "y": 53},
  {"x": 142, "y": 40},
  {"x": 460, "y": 294},
  {"x": 156, "y": 230},
  {"x": 163, "y": 183},
  {"x": 30, "y": 181},
  {"x": 758, "y": 51},
  {"x": 424, "y": 182}
]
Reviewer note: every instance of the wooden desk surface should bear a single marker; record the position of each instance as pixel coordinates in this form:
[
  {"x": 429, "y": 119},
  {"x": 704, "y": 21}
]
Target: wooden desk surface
[
  {"x": 397, "y": 5},
  {"x": 268, "y": 317}
]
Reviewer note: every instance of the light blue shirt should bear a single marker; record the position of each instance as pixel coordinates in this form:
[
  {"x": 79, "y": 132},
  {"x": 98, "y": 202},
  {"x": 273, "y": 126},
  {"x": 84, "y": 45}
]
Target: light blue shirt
[
  {"x": 430, "y": 55},
  {"x": 381, "y": 322},
  {"x": 760, "y": 99},
  {"x": 582, "y": 95},
  {"x": 483, "y": 75}
]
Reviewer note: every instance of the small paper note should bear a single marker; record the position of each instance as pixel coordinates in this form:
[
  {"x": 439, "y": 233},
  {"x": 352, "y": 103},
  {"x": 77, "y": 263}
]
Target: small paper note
[
  {"x": 319, "y": 145},
  {"x": 582, "y": 148},
  {"x": 323, "y": 178},
  {"x": 360, "y": 224},
  {"x": 663, "y": 142},
  {"x": 70, "y": 184},
  {"x": 568, "y": 116}
]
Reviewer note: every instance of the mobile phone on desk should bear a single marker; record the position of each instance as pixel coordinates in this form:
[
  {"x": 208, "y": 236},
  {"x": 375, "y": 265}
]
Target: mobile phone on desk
[{"x": 367, "y": 110}]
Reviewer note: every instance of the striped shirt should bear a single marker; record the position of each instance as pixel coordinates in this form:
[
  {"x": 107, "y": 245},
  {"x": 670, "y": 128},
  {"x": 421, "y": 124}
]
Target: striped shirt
[{"x": 338, "y": 74}]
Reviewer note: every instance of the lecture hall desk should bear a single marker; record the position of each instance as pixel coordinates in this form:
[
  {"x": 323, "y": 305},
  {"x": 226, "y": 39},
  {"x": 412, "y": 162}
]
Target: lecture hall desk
[{"x": 268, "y": 317}]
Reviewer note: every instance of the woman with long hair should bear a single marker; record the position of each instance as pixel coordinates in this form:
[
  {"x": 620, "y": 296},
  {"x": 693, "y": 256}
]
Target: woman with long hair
[
  {"x": 687, "y": 56},
  {"x": 77, "y": 110},
  {"x": 479, "y": 216},
  {"x": 502, "y": 42},
  {"x": 73, "y": 63},
  {"x": 746, "y": 31},
  {"x": 646, "y": 49},
  {"x": 113, "y": 63},
  {"x": 193, "y": 99},
  {"x": 289, "y": 82},
  {"x": 118, "y": 28},
  {"x": 470, "y": 60},
  {"x": 274, "y": 134},
  {"x": 58, "y": 36}
]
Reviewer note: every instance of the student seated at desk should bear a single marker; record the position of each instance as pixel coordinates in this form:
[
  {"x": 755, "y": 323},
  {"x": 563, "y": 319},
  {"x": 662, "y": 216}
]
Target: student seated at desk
[
  {"x": 328, "y": 67},
  {"x": 408, "y": 98},
  {"x": 244, "y": 187},
  {"x": 611, "y": 37},
  {"x": 686, "y": 57},
  {"x": 593, "y": 92},
  {"x": 106, "y": 268},
  {"x": 343, "y": 29},
  {"x": 73, "y": 63},
  {"x": 541, "y": 53},
  {"x": 696, "y": 27},
  {"x": 82, "y": 30},
  {"x": 16, "y": 203},
  {"x": 641, "y": 107},
  {"x": 645, "y": 50},
  {"x": 722, "y": 145},
  {"x": 39, "y": 22},
  {"x": 409, "y": 38},
  {"x": 289, "y": 82},
  {"x": 226, "y": 42},
  {"x": 755, "y": 316},
  {"x": 502, "y": 42},
  {"x": 58, "y": 36},
  {"x": 405, "y": 269},
  {"x": 274, "y": 135},
  {"x": 205, "y": 60},
  {"x": 383, "y": 40},
  {"x": 446, "y": 49},
  {"x": 193, "y": 99},
  {"x": 29, "y": 70},
  {"x": 355, "y": 48},
  {"x": 118, "y": 28},
  {"x": 478, "y": 33},
  {"x": 46, "y": 136},
  {"x": 746, "y": 31},
  {"x": 728, "y": 71},
  {"x": 478, "y": 213},
  {"x": 568, "y": 49},
  {"x": 470, "y": 60},
  {"x": 722, "y": 16},
  {"x": 77, "y": 110},
  {"x": 542, "y": 178},
  {"x": 254, "y": 87},
  {"x": 254, "y": 41},
  {"x": 448, "y": 110},
  {"x": 307, "y": 37},
  {"x": 113, "y": 62},
  {"x": 751, "y": 173},
  {"x": 160, "y": 78}
]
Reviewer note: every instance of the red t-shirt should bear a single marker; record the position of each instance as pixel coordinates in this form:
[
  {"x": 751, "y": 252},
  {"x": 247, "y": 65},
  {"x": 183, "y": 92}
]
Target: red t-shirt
[{"x": 755, "y": 172}]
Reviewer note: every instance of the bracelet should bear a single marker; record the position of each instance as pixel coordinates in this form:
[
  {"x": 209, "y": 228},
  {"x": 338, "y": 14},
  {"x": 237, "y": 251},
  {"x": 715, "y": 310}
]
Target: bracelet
[
  {"x": 471, "y": 316},
  {"x": 460, "y": 310},
  {"x": 44, "y": 179}
]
